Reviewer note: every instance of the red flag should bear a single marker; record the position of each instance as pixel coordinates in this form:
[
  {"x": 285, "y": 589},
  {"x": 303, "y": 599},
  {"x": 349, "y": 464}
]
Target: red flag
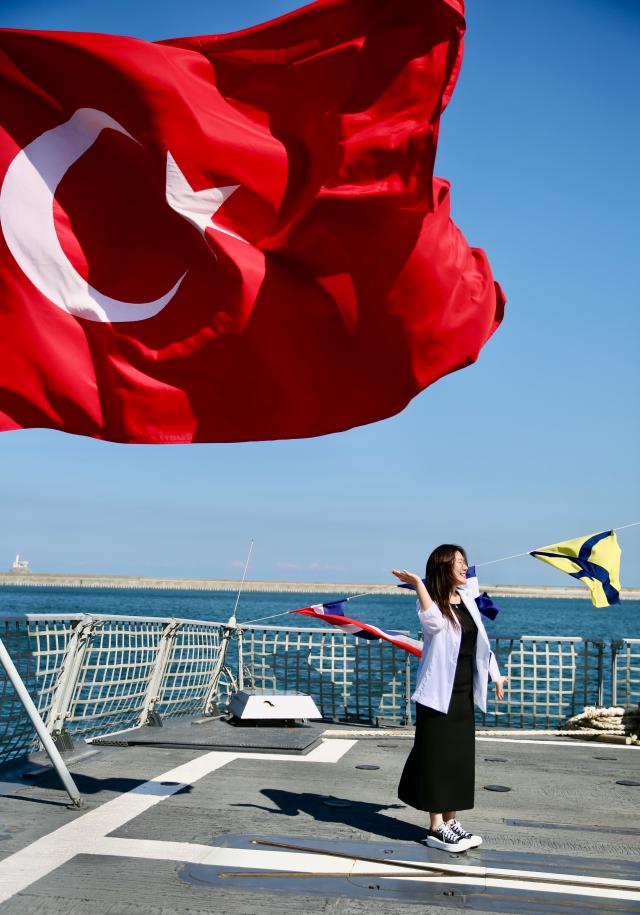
[
  {"x": 234, "y": 237},
  {"x": 359, "y": 629}
]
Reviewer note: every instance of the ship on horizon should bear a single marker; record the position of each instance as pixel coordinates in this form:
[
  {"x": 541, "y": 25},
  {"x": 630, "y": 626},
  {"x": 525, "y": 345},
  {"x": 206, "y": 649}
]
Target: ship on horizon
[{"x": 20, "y": 566}]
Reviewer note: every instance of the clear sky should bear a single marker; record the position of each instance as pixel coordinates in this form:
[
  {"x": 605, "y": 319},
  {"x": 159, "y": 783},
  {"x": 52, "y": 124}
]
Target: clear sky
[{"x": 537, "y": 442}]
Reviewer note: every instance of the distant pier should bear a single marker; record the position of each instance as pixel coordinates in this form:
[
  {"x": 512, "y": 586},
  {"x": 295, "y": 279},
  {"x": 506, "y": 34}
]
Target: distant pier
[{"x": 51, "y": 580}]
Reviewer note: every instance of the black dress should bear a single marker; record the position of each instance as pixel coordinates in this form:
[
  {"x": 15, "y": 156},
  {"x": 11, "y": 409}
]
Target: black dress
[{"x": 439, "y": 774}]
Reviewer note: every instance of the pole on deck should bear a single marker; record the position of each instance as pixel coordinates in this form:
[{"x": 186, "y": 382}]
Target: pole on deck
[{"x": 39, "y": 725}]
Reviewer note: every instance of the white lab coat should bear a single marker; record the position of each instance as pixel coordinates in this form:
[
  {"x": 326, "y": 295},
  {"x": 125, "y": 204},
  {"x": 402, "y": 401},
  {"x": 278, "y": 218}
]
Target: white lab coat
[{"x": 437, "y": 669}]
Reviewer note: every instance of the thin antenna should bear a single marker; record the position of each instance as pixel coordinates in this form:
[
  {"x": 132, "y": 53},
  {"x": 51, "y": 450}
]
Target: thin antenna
[{"x": 232, "y": 618}]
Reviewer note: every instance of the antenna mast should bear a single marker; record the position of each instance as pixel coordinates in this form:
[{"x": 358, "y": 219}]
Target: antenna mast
[{"x": 232, "y": 618}]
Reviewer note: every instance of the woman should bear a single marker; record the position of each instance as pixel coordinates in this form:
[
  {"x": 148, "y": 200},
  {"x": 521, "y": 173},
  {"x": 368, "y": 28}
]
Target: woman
[{"x": 454, "y": 670}]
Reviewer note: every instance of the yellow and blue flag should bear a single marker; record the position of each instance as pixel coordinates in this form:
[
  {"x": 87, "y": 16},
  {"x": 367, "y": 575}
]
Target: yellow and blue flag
[{"x": 594, "y": 559}]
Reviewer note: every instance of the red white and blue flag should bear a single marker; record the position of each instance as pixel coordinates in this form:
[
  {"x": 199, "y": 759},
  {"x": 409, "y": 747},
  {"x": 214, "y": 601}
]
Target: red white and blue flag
[{"x": 334, "y": 614}]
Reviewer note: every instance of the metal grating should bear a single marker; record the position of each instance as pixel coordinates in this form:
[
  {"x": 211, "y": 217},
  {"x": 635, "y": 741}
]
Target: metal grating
[
  {"x": 96, "y": 675},
  {"x": 186, "y": 678},
  {"x": 112, "y": 682},
  {"x": 350, "y": 679},
  {"x": 625, "y": 673},
  {"x": 17, "y": 736},
  {"x": 550, "y": 679}
]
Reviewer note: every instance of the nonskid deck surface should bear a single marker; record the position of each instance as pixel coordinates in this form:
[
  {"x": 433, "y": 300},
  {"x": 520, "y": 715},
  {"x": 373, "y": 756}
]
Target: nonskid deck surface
[{"x": 162, "y": 824}]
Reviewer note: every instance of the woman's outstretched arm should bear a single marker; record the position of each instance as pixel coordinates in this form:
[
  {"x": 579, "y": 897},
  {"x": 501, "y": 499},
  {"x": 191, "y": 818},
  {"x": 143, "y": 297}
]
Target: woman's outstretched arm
[{"x": 410, "y": 578}]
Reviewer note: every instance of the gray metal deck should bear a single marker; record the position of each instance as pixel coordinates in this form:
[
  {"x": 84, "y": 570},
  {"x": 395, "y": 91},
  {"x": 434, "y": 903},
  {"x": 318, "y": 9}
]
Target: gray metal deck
[{"x": 160, "y": 825}]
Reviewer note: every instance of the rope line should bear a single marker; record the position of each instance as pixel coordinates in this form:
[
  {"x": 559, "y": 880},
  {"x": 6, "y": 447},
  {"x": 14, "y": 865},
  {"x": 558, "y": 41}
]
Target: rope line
[
  {"x": 623, "y": 527},
  {"x": 478, "y": 565},
  {"x": 273, "y": 616},
  {"x": 259, "y": 619}
]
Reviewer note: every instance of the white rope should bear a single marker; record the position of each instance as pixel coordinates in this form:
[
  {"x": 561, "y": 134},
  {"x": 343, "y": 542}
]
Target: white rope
[
  {"x": 528, "y": 553},
  {"x": 613, "y": 720},
  {"x": 260, "y": 618},
  {"x": 625, "y": 526},
  {"x": 503, "y": 559},
  {"x": 364, "y": 594},
  {"x": 273, "y": 616}
]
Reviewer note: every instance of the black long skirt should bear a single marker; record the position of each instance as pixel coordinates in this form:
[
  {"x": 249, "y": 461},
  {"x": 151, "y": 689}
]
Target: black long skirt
[{"x": 439, "y": 774}]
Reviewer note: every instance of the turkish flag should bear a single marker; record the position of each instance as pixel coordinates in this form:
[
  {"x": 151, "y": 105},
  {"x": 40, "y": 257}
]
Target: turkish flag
[{"x": 236, "y": 237}]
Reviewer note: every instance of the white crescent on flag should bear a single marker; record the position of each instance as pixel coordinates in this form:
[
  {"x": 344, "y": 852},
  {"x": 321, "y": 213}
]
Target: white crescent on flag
[{"x": 27, "y": 221}]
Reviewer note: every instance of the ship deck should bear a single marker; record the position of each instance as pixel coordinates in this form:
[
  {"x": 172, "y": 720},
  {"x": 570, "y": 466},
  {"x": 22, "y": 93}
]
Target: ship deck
[{"x": 174, "y": 826}]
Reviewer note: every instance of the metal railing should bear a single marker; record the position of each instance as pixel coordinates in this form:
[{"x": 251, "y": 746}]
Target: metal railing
[
  {"x": 551, "y": 678},
  {"x": 625, "y": 672},
  {"x": 96, "y": 675},
  {"x": 350, "y": 679},
  {"x": 17, "y": 736}
]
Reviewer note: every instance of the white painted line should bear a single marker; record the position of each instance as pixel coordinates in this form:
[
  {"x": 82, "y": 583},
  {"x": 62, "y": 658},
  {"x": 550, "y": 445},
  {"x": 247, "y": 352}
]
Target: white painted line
[
  {"x": 83, "y": 834},
  {"x": 562, "y": 889},
  {"x": 152, "y": 849},
  {"x": 329, "y": 751},
  {"x": 595, "y": 745},
  {"x": 46, "y": 854},
  {"x": 378, "y": 734},
  {"x": 499, "y": 738}
]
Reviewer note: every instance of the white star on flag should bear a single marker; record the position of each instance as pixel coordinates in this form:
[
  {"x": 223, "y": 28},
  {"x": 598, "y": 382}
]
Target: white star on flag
[{"x": 198, "y": 207}]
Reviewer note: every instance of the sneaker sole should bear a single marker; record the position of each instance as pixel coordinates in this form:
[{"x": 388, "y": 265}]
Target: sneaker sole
[{"x": 462, "y": 845}]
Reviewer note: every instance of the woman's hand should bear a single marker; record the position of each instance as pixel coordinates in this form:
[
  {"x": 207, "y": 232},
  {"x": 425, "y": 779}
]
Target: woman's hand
[
  {"x": 409, "y": 578},
  {"x": 500, "y": 682}
]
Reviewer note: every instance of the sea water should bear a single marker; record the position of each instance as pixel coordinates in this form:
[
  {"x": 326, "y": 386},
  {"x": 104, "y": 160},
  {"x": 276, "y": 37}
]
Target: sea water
[{"x": 518, "y": 615}]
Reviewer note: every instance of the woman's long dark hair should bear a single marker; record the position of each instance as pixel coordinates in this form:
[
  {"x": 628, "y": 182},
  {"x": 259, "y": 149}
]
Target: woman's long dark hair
[{"x": 440, "y": 581}]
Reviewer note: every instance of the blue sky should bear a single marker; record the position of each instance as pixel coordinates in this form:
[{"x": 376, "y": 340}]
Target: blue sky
[{"x": 535, "y": 443}]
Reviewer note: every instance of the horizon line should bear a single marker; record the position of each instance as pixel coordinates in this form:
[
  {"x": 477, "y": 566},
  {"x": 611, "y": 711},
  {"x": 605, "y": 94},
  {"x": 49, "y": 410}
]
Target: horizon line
[{"x": 141, "y": 582}]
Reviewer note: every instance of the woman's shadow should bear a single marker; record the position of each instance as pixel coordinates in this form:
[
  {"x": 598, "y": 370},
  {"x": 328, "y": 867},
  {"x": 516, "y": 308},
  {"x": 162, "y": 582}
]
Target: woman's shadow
[{"x": 360, "y": 815}]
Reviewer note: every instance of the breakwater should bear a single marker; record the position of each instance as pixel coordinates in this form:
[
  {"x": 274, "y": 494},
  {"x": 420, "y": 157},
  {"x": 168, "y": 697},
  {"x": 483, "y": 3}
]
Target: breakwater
[{"x": 54, "y": 580}]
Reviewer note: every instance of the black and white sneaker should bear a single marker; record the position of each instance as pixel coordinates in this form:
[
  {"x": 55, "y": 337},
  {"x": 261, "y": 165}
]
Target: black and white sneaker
[
  {"x": 459, "y": 830},
  {"x": 445, "y": 838}
]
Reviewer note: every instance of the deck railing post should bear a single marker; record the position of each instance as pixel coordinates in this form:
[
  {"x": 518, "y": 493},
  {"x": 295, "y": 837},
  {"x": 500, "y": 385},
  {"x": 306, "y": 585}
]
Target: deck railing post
[
  {"x": 212, "y": 689},
  {"x": 600, "y": 673},
  {"x": 74, "y": 656},
  {"x": 240, "y": 635},
  {"x": 163, "y": 655},
  {"x": 39, "y": 726},
  {"x": 407, "y": 689},
  {"x": 615, "y": 647}
]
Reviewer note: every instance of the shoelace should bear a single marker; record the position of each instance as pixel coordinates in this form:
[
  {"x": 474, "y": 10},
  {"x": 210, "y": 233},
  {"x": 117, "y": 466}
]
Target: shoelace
[
  {"x": 448, "y": 834},
  {"x": 459, "y": 830}
]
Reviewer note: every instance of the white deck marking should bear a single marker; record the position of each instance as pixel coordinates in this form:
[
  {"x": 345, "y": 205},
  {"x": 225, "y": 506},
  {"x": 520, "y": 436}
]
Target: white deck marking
[
  {"x": 595, "y": 745},
  {"x": 80, "y": 836},
  {"x": 302, "y": 862},
  {"x": 499, "y": 737},
  {"x": 88, "y": 834},
  {"x": 152, "y": 849}
]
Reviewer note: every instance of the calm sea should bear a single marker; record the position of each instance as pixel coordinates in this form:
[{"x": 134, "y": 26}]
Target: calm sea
[{"x": 518, "y": 616}]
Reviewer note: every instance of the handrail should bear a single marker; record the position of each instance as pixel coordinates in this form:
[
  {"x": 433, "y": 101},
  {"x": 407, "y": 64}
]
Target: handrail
[{"x": 95, "y": 674}]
